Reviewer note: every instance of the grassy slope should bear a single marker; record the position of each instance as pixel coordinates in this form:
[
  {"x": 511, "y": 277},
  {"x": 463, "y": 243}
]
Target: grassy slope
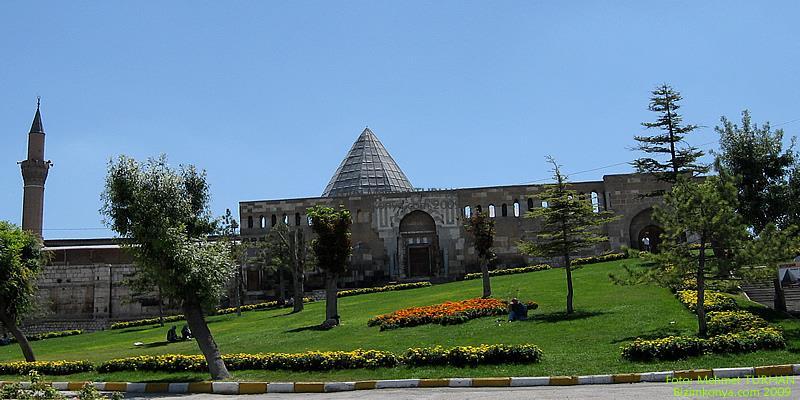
[{"x": 587, "y": 343}]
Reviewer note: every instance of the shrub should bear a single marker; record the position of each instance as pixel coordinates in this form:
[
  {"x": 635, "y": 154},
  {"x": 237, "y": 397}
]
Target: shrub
[
  {"x": 509, "y": 271},
  {"x": 387, "y": 288},
  {"x": 447, "y": 313},
  {"x": 721, "y": 322},
  {"x": 46, "y": 335},
  {"x": 599, "y": 259},
  {"x": 668, "y": 348},
  {"x": 308, "y": 361},
  {"x": 714, "y": 301},
  {"x": 473, "y": 356},
  {"x": 45, "y": 367},
  {"x": 146, "y": 321},
  {"x": 747, "y": 341},
  {"x": 678, "y": 347}
]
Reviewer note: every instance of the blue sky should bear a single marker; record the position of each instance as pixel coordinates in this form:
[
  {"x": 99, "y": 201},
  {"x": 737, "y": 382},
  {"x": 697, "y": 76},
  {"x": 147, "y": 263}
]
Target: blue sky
[{"x": 269, "y": 96}]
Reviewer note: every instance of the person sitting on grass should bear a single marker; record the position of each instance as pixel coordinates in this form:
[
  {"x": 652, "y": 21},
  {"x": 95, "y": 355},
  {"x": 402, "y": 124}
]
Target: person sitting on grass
[
  {"x": 517, "y": 311},
  {"x": 5, "y": 340},
  {"x": 186, "y": 333},
  {"x": 172, "y": 336}
]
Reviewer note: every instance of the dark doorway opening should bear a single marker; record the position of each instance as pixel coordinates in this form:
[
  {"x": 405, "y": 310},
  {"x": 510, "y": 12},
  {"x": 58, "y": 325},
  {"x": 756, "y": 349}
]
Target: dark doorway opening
[{"x": 419, "y": 260}]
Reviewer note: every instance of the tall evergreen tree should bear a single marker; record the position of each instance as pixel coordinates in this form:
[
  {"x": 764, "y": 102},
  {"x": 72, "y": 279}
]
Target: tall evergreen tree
[
  {"x": 756, "y": 157},
  {"x": 569, "y": 225},
  {"x": 674, "y": 156},
  {"x": 707, "y": 211},
  {"x": 482, "y": 229}
]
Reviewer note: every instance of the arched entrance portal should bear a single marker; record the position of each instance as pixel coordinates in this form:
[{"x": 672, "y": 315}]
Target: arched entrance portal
[
  {"x": 419, "y": 244},
  {"x": 642, "y": 226}
]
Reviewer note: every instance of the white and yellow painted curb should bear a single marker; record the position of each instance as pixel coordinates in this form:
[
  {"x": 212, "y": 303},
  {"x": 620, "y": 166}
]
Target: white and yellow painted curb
[{"x": 326, "y": 387}]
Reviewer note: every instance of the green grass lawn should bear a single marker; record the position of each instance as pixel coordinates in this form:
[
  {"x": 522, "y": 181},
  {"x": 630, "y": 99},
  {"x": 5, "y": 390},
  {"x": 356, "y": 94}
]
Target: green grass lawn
[{"x": 607, "y": 316}]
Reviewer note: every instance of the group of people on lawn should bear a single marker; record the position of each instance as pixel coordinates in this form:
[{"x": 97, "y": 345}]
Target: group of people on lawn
[{"x": 173, "y": 337}]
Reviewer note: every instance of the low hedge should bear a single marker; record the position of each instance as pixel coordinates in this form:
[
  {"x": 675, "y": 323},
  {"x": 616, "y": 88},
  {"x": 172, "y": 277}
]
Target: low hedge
[
  {"x": 678, "y": 347},
  {"x": 714, "y": 301},
  {"x": 508, "y": 271},
  {"x": 270, "y": 305},
  {"x": 473, "y": 356},
  {"x": 45, "y": 367},
  {"x": 308, "y": 361},
  {"x": 722, "y": 322},
  {"x": 599, "y": 259},
  {"x": 387, "y": 288},
  {"x": 46, "y": 335}
]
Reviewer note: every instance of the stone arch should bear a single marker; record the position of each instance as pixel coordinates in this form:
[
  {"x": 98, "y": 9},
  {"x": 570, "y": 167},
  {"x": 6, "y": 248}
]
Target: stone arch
[
  {"x": 642, "y": 225},
  {"x": 419, "y": 245}
]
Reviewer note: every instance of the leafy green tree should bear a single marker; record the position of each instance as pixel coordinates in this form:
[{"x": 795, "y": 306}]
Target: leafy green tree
[
  {"x": 21, "y": 261},
  {"x": 706, "y": 212},
  {"x": 162, "y": 216},
  {"x": 332, "y": 247},
  {"x": 755, "y": 155},
  {"x": 669, "y": 141},
  {"x": 284, "y": 249},
  {"x": 482, "y": 229},
  {"x": 569, "y": 225}
]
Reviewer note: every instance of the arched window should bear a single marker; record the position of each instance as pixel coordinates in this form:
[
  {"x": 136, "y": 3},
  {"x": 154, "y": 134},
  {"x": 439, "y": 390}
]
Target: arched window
[
  {"x": 250, "y": 222},
  {"x": 491, "y": 211},
  {"x": 478, "y": 209},
  {"x": 595, "y": 202},
  {"x": 516, "y": 208},
  {"x": 544, "y": 204},
  {"x": 285, "y": 219},
  {"x": 467, "y": 212},
  {"x": 274, "y": 220},
  {"x": 504, "y": 210},
  {"x": 530, "y": 204},
  {"x": 296, "y": 219},
  {"x": 262, "y": 223}
]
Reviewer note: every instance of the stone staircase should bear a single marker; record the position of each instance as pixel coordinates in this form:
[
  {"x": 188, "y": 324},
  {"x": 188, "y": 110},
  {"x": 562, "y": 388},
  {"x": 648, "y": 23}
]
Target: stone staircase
[{"x": 764, "y": 293}]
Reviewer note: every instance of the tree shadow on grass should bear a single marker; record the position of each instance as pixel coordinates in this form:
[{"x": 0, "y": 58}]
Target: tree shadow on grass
[
  {"x": 562, "y": 316},
  {"x": 308, "y": 328},
  {"x": 154, "y": 344},
  {"x": 650, "y": 335},
  {"x": 284, "y": 314}
]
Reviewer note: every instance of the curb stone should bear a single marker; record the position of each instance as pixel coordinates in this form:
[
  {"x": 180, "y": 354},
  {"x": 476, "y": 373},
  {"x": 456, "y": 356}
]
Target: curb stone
[{"x": 236, "y": 388}]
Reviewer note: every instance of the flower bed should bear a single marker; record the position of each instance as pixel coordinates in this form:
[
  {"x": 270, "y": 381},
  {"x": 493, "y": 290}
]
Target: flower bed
[
  {"x": 46, "y": 335},
  {"x": 473, "y": 356},
  {"x": 308, "y": 361},
  {"x": 45, "y": 367},
  {"x": 714, "y": 301},
  {"x": 722, "y": 322},
  {"x": 509, "y": 271},
  {"x": 599, "y": 259},
  {"x": 447, "y": 313},
  {"x": 678, "y": 347},
  {"x": 387, "y": 288},
  {"x": 334, "y": 360}
]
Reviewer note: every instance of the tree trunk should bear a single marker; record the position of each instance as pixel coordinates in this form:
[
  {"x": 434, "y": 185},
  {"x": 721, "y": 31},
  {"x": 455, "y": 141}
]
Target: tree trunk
[
  {"x": 201, "y": 333},
  {"x": 239, "y": 292},
  {"x": 780, "y": 297},
  {"x": 487, "y": 285},
  {"x": 160, "y": 308},
  {"x": 24, "y": 345},
  {"x": 701, "y": 289},
  {"x": 331, "y": 299},
  {"x": 281, "y": 287},
  {"x": 299, "y": 257},
  {"x": 568, "y": 268}
]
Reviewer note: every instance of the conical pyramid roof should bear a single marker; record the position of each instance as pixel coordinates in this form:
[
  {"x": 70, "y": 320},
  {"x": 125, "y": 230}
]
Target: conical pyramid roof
[{"x": 367, "y": 168}]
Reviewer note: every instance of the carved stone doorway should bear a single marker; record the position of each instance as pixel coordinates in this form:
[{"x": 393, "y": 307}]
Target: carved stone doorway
[{"x": 419, "y": 245}]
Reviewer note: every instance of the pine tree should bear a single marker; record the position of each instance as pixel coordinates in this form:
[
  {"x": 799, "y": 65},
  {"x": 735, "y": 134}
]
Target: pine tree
[
  {"x": 569, "y": 225},
  {"x": 671, "y": 133}
]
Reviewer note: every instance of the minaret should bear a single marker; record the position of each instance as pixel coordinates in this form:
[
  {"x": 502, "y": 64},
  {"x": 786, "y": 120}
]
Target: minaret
[{"x": 34, "y": 173}]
